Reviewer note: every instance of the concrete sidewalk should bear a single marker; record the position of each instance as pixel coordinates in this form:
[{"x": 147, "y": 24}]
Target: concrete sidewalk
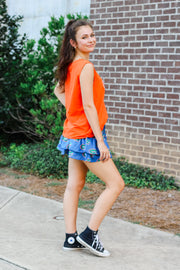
[{"x": 31, "y": 238}]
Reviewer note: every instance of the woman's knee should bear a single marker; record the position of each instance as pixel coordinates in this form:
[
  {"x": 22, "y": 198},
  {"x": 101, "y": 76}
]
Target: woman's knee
[
  {"x": 117, "y": 185},
  {"x": 75, "y": 186}
]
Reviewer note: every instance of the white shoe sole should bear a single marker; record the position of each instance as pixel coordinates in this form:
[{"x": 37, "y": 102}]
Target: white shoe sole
[
  {"x": 73, "y": 249},
  {"x": 98, "y": 253}
]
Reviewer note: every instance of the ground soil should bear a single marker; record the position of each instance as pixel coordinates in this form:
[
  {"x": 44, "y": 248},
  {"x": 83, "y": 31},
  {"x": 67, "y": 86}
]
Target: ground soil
[{"x": 157, "y": 209}]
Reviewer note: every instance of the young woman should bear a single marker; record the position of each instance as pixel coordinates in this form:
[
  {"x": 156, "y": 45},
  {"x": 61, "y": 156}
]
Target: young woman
[{"x": 80, "y": 89}]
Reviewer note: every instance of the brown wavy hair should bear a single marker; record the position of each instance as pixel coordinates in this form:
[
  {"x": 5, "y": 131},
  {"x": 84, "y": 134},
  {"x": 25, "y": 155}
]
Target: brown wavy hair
[{"x": 67, "y": 52}]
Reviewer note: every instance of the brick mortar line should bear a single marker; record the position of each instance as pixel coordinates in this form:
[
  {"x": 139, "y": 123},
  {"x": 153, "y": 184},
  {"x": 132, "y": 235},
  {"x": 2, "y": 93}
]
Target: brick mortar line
[
  {"x": 137, "y": 132},
  {"x": 118, "y": 10},
  {"x": 140, "y": 54},
  {"x": 139, "y": 35},
  {"x": 139, "y": 16},
  {"x": 140, "y": 41},
  {"x": 137, "y": 48},
  {"x": 131, "y": 29},
  {"x": 140, "y": 84},
  {"x": 151, "y": 117},
  {"x": 155, "y": 136},
  {"x": 137, "y": 23}
]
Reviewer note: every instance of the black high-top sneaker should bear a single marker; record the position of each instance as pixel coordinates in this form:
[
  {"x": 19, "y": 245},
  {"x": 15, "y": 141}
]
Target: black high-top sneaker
[
  {"x": 71, "y": 243},
  {"x": 90, "y": 239}
]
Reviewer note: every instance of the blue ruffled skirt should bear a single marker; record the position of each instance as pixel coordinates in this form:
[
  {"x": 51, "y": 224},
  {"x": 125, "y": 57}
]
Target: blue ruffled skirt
[{"x": 82, "y": 149}]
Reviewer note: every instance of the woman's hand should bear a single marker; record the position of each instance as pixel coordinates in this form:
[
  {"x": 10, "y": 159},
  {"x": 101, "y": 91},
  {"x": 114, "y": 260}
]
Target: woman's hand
[
  {"x": 104, "y": 151},
  {"x": 59, "y": 91}
]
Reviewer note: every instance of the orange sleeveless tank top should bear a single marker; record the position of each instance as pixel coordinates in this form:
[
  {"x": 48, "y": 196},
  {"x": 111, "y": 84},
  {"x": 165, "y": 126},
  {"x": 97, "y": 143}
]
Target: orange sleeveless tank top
[{"x": 76, "y": 125}]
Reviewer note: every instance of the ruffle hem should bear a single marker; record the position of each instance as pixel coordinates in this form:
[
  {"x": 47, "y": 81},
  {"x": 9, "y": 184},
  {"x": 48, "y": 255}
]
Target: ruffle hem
[{"x": 82, "y": 149}]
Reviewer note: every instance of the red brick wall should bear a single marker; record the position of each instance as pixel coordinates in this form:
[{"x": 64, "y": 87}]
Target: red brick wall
[{"x": 138, "y": 57}]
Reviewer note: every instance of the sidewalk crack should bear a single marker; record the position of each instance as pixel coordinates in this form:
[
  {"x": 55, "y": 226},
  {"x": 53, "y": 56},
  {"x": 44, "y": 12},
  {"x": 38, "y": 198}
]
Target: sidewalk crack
[
  {"x": 10, "y": 200},
  {"x": 19, "y": 266}
]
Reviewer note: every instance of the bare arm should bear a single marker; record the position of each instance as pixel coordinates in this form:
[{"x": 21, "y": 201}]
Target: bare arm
[
  {"x": 60, "y": 93},
  {"x": 86, "y": 82}
]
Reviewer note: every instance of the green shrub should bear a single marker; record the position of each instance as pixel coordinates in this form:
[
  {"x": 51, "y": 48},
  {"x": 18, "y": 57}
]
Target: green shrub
[
  {"x": 42, "y": 159},
  {"x": 91, "y": 178},
  {"x": 45, "y": 160},
  {"x": 11, "y": 55},
  {"x": 40, "y": 111},
  {"x": 138, "y": 176},
  {"x": 26, "y": 91}
]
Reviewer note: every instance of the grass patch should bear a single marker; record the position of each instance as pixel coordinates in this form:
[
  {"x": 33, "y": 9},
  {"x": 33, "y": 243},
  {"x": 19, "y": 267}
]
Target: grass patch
[
  {"x": 17, "y": 176},
  {"x": 54, "y": 184},
  {"x": 86, "y": 188},
  {"x": 22, "y": 187},
  {"x": 86, "y": 204},
  {"x": 7, "y": 172}
]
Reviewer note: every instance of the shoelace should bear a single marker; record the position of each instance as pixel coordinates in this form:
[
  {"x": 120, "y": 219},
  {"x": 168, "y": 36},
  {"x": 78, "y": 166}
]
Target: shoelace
[{"x": 97, "y": 244}]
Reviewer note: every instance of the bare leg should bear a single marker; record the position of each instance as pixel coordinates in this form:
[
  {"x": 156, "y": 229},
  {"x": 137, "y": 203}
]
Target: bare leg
[
  {"x": 77, "y": 171},
  {"x": 109, "y": 174}
]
